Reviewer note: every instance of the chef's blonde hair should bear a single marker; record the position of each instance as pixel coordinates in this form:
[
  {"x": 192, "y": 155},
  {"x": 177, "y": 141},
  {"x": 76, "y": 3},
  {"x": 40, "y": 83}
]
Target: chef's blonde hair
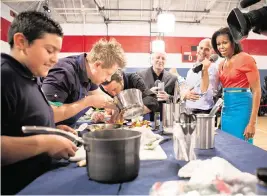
[{"x": 108, "y": 53}]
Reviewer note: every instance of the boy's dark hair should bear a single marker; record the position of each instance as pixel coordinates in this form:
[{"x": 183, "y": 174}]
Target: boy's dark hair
[
  {"x": 33, "y": 25},
  {"x": 225, "y": 31}
]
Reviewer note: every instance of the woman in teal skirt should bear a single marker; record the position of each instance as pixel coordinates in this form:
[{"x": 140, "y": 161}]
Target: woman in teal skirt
[{"x": 240, "y": 80}]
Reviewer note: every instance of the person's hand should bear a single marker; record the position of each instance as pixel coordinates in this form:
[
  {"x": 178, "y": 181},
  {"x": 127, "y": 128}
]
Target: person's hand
[
  {"x": 192, "y": 96},
  {"x": 67, "y": 129},
  {"x": 206, "y": 64},
  {"x": 102, "y": 101},
  {"x": 117, "y": 117},
  {"x": 249, "y": 131},
  {"x": 155, "y": 89},
  {"x": 108, "y": 111},
  {"x": 58, "y": 147},
  {"x": 162, "y": 95},
  {"x": 98, "y": 117}
]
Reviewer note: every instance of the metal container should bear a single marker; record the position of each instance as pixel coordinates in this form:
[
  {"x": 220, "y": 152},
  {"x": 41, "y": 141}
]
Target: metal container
[
  {"x": 170, "y": 115},
  {"x": 130, "y": 101},
  {"x": 184, "y": 141},
  {"x": 182, "y": 106},
  {"x": 205, "y": 131},
  {"x": 112, "y": 156},
  {"x": 99, "y": 127},
  {"x": 156, "y": 120},
  {"x": 176, "y": 111},
  {"x": 167, "y": 115}
]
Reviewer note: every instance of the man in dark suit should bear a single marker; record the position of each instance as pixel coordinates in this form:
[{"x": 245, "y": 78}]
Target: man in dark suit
[{"x": 157, "y": 72}]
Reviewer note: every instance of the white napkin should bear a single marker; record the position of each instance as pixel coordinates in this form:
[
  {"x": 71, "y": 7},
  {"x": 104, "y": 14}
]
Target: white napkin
[
  {"x": 204, "y": 172},
  {"x": 148, "y": 137},
  {"x": 79, "y": 155}
]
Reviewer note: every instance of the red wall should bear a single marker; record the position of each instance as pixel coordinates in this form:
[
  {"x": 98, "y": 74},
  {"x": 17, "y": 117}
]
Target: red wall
[{"x": 140, "y": 44}]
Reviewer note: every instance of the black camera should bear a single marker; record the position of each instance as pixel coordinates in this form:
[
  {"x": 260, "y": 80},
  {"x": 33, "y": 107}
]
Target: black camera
[{"x": 241, "y": 23}]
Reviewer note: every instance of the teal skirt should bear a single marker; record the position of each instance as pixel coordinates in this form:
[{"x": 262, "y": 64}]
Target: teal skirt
[{"x": 236, "y": 111}]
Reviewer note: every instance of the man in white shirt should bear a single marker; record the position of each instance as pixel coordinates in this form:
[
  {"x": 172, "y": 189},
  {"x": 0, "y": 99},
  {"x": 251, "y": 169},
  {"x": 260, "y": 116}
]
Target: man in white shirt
[{"x": 195, "y": 100}]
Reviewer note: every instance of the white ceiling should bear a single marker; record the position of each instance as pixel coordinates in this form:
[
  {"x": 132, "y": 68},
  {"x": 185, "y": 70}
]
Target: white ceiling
[{"x": 208, "y": 12}]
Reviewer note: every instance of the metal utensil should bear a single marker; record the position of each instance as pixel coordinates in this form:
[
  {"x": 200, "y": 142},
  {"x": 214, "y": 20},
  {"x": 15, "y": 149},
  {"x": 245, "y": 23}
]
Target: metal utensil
[
  {"x": 188, "y": 123},
  {"x": 47, "y": 130},
  {"x": 187, "y": 118},
  {"x": 130, "y": 101},
  {"x": 176, "y": 92},
  {"x": 216, "y": 107}
]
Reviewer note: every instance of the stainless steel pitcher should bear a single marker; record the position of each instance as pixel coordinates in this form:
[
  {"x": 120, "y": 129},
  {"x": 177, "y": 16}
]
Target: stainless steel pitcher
[
  {"x": 170, "y": 115},
  {"x": 184, "y": 134},
  {"x": 205, "y": 131},
  {"x": 176, "y": 111},
  {"x": 167, "y": 114}
]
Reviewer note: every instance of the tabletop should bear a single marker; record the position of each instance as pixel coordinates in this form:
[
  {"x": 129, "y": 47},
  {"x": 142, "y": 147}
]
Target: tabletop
[{"x": 70, "y": 179}]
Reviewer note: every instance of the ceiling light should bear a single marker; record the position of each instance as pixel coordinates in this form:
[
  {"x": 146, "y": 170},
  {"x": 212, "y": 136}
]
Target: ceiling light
[{"x": 166, "y": 22}]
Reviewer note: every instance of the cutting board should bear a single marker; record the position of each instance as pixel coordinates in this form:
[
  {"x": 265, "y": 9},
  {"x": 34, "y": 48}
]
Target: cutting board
[{"x": 156, "y": 154}]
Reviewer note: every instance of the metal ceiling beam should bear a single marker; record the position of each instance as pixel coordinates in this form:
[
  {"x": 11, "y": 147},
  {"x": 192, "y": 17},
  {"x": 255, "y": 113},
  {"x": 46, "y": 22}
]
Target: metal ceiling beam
[
  {"x": 214, "y": 16},
  {"x": 73, "y": 13},
  {"x": 123, "y": 9},
  {"x": 108, "y": 6},
  {"x": 63, "y": 1},
  {"x": 208, "y": 7},
  {"x": 217, "y": 12},
  {"x": 18, "y": 1},
  {"x": 195, "y": 7},
  {"x": 149, "y": 21},
  {"x": 185, "y": 7},
  {"x": 100, "y": 11},
  {"x": 228, "y": 8},
  {"x": 82, "y": 7},
  {"x": 54, "y": 13},
  {"x": 154, "y": 9},
  {"x": 38, "y": 6},
  {"x": 76, "y": 9},
  {"x": 31, "y": 6},
  {"x": 118, "y": 5},
  {"x": 155, "y": 4},
  {"x": 141, "y": 7}
]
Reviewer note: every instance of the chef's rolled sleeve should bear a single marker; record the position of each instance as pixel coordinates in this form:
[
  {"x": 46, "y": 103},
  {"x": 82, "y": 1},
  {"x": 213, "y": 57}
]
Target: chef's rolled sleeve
[{"x": 57, "y": 86}]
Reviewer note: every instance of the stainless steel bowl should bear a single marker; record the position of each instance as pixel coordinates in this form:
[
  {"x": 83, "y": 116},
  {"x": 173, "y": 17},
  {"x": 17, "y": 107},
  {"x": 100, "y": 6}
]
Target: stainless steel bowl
[
  {"x": 130, "y": 101},
  {"x": 99, "y": 127}
]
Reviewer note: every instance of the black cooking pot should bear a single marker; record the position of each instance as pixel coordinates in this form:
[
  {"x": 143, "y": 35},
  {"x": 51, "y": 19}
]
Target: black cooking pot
[{"x": 112, "y": 156}]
